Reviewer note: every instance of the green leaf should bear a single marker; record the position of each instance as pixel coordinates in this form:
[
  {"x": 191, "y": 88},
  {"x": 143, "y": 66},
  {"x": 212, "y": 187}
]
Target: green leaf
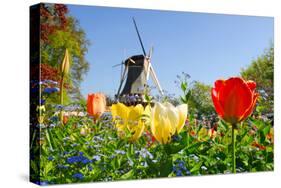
[
  {"x": 183, "y": 100},
  {"x": 183, "y": 86},
  {"x": 266, "y": 130},
  {"x": 196, "y": 167},
  {"x": 128, "y": 175},
  {"x": 166, "y": 167},
  {"x": 187, "y": 96}
]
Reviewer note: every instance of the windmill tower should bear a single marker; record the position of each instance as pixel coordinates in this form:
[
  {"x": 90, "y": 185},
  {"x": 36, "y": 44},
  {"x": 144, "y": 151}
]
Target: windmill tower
[{"x": 138, "y": 69}]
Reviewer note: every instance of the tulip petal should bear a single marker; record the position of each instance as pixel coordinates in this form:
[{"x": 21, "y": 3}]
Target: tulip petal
[
  {"x": 134, "y": 115},
  {"x": 90, "y": 104},
  {"x": 251, "y": 108},
  {"x": 219, "y": 84},
  {"x": 155, "y": 121},
  {"x": 137, "y": 131},
  {"x": 216, "y": 102},
  {"x": 172, "y": 115},
  {"x": 182, "y": 110},
  {"x": 251, "y": 84}
]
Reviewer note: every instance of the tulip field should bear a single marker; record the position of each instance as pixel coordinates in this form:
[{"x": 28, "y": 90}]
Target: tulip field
[{"x": 95, "y": 142}]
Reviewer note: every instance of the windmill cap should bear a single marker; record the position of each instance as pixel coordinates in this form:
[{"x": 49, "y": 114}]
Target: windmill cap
[{"x": 138, "y": 60}]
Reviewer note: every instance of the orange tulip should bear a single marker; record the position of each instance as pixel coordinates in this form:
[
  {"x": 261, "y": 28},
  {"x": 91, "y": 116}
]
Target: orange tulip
[
  {"x": 65, "y": 119},
  {"x": 96, "y": 105},
  {"x": 234, "y": 99}
]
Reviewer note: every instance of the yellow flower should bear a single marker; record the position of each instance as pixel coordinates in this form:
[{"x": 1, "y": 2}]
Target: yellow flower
[
  {"x": 166, "y": 120},
  {"x": 129, "y": 118},
  {"x": 85, "y": 131},
  {"x": 120, "y": 114}
]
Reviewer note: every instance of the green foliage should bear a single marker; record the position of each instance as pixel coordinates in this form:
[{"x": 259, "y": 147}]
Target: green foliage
[
  {"x": 200, "y": 100},
  {"x": 261, "y": 70}
]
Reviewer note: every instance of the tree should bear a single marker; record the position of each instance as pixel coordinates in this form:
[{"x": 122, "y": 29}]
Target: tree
[
  {"x": 200, "y": 101},
  {"x": 261, "y": 71},
  {"x": 60, "y": 31}
]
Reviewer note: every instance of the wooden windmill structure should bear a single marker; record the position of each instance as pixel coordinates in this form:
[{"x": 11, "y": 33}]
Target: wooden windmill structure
[{"x": 136, "y": 72}]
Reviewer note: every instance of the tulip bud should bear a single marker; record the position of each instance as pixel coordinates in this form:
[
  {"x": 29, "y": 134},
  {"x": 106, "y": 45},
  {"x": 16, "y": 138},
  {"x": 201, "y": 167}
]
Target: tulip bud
[
  {"x": 83, "y": 131},
  {"x": 65, "y": 119},
  {"x": 65, "y": 63}
]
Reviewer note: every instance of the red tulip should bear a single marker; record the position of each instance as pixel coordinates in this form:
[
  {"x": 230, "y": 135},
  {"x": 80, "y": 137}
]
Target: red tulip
[
  {"x": 96, "y": 104},
  {"x": 234, "y": 99}
]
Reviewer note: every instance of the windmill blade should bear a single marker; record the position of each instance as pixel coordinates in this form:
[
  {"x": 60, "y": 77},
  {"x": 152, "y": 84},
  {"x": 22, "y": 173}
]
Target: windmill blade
[
  {"x": 118, "y": 64},
  {"x": 155, "y": 80},
  {"x": 121, "y": 73},
  {"x": 130, "y": 60},
  {"x": 150, "y": 52},
  {"x": 144, "y": 53},
  {"x": 147, "y": 67}
]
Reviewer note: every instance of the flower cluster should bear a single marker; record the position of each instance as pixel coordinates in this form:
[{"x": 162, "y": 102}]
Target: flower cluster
[
  {"x": 179, "y": 168},
  {"x": 78, "y": 159}
]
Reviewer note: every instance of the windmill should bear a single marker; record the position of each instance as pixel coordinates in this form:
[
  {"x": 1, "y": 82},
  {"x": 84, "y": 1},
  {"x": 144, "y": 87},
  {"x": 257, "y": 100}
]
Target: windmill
[{"x": 136, "y": 72}]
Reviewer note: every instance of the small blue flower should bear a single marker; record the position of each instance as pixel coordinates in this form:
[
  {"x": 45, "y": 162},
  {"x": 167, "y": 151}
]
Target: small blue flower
[
  {"x": 74, "y": 145},
  {"x": 174, "y": 169},
  {"x": 54, "y": 118},
  {"x": 42, "y": 102},
  {"x": 86, "y": 161},
  {"x": 50, "y": 90},
  {"x": 81, "y": 153},
  {"x": 62, "y": 166},
  {"x": 78, "y": 176},
  {"x": 176, "y": 138},
  {"x": 96, "y": 158},
  {"x": 181, "y": 164},
  {"x": 120, "y": 152},
  {"x": 77, "y": 159},
  {"x": 50, "y": 158},
  {"x": 59, "y": 107},
  {"x": 179, "y": 173},
  {"x": 90, "y": 168}
]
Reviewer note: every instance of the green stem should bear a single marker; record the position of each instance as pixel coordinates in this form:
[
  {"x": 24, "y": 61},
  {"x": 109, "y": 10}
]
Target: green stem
[
  {"x": 61, "y": 98},
  {"x": 187, "y": 137},
  {"x": 188, "y": 129},
  {"x": 233, "y": 149}
]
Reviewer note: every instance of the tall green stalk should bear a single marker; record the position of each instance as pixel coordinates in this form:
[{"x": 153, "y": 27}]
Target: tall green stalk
[
  {"x": 61, "y": 98},
  {"x": 233, "y": 149},
  {"x": 64, "y": 71}
]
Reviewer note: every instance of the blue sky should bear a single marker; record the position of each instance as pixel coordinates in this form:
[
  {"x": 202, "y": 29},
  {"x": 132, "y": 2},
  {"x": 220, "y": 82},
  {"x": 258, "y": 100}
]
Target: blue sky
[{"x": 206, "y": 46}]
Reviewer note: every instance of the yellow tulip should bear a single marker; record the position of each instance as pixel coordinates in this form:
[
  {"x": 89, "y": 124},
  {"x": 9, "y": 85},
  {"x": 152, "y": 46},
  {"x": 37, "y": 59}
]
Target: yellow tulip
[
  {"x": 166, "y": 120},
  {"x": 83, "y": 131},
  {"x": 135, "y": 123},
  {"x": 129, "y": 118},
  {"x": 120, "y": 113}
]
